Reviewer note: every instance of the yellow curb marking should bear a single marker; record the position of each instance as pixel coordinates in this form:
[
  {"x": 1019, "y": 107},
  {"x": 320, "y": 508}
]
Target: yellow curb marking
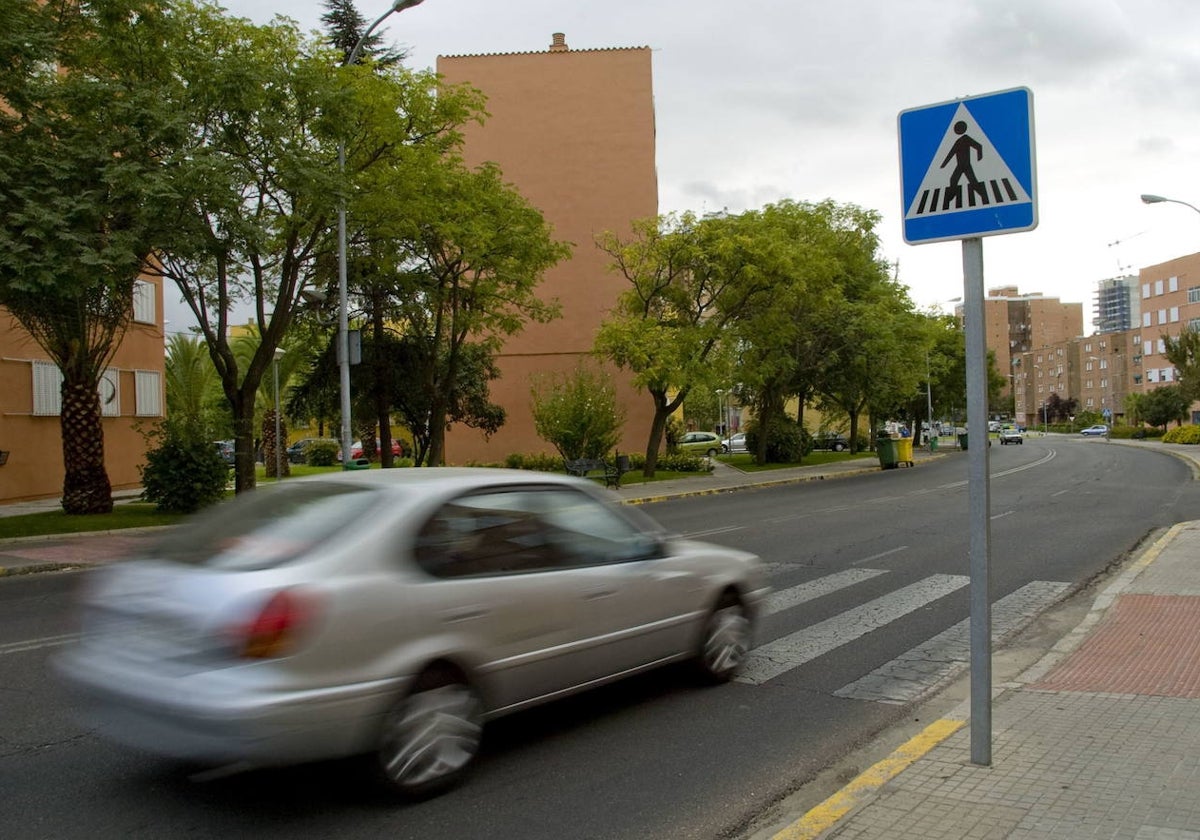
[{"x": 825, "y": 815}]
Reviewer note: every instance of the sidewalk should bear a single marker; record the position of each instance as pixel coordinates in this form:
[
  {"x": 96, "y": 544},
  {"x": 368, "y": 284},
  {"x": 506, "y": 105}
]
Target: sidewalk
[{"x": 1100, "y": 738}]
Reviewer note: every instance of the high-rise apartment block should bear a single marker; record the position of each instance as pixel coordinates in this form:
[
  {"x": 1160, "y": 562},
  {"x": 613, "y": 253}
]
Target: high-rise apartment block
[{"x": 573, "y": 131}]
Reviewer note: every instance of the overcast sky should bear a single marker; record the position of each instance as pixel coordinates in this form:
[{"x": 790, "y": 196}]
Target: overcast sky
[{"x": 762, "y": 100}]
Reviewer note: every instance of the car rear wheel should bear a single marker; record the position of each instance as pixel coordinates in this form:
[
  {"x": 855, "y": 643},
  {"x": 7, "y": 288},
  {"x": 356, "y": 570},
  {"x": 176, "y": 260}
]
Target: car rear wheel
[
  {"x": 430, "y": 737},
  {"x": 712, "y": 453},
  {"x": 838, "y": 447},
  {"x": 726, "y": 641}
]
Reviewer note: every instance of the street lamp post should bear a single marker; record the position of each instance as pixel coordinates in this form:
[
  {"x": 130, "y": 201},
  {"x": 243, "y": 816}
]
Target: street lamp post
[
  {"x": 1148, "y": 198},
  {"x": 343, "y": 338},
  {"x": 279, "y": 353}
]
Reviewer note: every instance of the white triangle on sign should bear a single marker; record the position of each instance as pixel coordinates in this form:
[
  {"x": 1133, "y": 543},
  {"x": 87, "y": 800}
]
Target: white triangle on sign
[{"x": 966, "y": 173}]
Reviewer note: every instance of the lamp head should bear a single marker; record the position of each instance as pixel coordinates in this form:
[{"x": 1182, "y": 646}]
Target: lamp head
[
  {"x": 1148, "y": 198},
  {"x": 401, "y": 5}
]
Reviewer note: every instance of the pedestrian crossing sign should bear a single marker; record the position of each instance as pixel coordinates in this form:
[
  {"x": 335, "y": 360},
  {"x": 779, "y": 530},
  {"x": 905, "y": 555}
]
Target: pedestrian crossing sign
[{"x": 967, "y": 167}]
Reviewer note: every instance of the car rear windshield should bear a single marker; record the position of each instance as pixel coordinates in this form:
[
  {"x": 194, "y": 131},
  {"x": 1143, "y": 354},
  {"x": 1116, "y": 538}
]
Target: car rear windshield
[{"x": 266, "y": 527}]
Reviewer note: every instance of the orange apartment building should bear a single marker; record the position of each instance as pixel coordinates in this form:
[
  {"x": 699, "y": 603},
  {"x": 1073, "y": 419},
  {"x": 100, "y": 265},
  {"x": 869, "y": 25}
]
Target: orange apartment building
[
  {"x": 1016, "y": 324},
  {"x": 573, "y": 131},
  {"x": 132, "y": 396}
]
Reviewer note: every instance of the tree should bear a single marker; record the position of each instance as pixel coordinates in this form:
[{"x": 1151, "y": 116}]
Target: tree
[
  {"x": 1183, "y": 351},
  {"x": 578, "y": 413},
  {"x": 469, "y": 252},
  {"x": 690, "y": 281},
  {"x": 83, "y": 198},
  {"x": 191, "y": 384},
  {"x": 1165, "y": 404},
  {"x": 345, "y": 26},
  {"x": 266, "y": 109}
]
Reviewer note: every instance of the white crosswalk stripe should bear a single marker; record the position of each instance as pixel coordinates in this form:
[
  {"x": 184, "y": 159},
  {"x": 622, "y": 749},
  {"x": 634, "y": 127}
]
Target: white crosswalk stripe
[
  {"x": 932, "y": 664},
  {"x": 819, "y": 588},
  {"x": 791, "y": 651}
]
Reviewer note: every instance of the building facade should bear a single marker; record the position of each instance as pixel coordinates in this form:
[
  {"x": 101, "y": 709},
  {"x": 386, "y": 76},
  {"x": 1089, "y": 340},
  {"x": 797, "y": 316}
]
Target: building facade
[
  {"x": 1118, "y": 305},
  {"x": 573, "y": 131},
  {"x": 1015, "y": 324},
  {"x": 132, "y": 400}
]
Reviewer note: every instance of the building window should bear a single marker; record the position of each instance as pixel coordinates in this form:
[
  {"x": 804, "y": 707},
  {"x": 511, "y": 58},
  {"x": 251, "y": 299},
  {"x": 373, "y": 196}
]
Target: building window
[
  {"x": 109, "y": 389},
  {"x": 47, "y": 389},
  {"x": 1147, "y": 348},
  {"x": 1145, "y": 290},
  {"x": 1162, "y": 317},
  {"x": 1162, "y": 346},
  {"x": 1145, "y": 319},
  {"x": 1158, "y": 287},
  {"x": 143, "y": 302},
  {"x": 1172, "y": 284},
  {"x": 1194, "y": 294},
  {"x": 1174, "y": 314},
  {"x": 1151, "y": 374},
  {"x": 149, "y": 393}
]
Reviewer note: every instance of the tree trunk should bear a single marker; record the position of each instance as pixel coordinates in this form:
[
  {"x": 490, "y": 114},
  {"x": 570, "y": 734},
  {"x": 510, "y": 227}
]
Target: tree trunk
[
  {"x": 382, "y": 379},
  {"x": 243, "y": 453},
  {"x": 86, "y": 488},
  {"x": 272, "y": 445}
]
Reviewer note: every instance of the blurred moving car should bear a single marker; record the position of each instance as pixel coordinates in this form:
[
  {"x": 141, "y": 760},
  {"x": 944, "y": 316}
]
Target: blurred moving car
[
  {"x": 263, "y": 631},
  {"x": 297, "y": 452},
  {"x": 736, "y": 443},
  {"x": 1010, "y": 434},
  {"x": 833, "y": 441},
  {"x": 1098, "y": 429},
  {"x": 701, "y": 443}
]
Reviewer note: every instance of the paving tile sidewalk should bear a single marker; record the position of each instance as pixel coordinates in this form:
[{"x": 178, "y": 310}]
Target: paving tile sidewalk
[{"x": 1099, "y": 739}]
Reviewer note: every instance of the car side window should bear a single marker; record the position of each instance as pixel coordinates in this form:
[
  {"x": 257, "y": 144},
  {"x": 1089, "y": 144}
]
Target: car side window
[
  {"x": 485, "y": 534},
  {"x": 527, "y": 530}
]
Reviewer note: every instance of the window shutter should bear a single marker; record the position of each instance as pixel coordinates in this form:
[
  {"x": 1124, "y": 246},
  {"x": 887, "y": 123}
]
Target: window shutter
[
  {"x": 143, "y": 302},
  {"x": 149, "y": 393},
  {"x": 47, "y": 389}
]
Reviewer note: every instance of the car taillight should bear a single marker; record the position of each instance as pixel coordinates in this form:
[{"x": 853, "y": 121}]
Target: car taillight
[{"x": 278, "y": 626}]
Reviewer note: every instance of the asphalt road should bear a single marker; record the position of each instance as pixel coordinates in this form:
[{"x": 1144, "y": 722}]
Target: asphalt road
[{"x": 870, "y": 579}]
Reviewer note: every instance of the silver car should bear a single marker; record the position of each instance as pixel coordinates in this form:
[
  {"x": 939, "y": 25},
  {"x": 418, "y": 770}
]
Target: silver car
[{"x": 266, "y": 631}]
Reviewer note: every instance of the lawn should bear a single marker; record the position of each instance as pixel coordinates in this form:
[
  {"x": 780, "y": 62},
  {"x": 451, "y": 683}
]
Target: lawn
[{"x": 745, "y": 462}]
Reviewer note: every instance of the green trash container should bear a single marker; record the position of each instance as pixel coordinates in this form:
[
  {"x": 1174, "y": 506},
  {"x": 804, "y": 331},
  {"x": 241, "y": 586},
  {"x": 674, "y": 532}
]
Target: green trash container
[
  {"x": 962, "y": 441},
  {"x": 933, "y": 443},
  {"x": 886, "y": 448},
  {"x": 357, "y": 464}
]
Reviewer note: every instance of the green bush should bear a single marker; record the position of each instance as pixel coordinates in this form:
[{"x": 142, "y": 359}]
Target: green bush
[
  {"x": 538, "y": 461},
  {"x": 578, "y": 413},
  {"x": 1183, "y": 434},
  {"x": 673, "y": 462},
  {"x": 321, "y": 453},
  {"x": 182, "y": 475},
  {"x": 787, "y": 441}
]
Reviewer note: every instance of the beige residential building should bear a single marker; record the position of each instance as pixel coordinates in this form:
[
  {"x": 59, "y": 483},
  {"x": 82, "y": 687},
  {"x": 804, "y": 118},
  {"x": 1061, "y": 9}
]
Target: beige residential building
[
  {"x": 573, "y": 130},
  {"x": 1170, "y": 304},
  {"x": 132, "y": 398}
]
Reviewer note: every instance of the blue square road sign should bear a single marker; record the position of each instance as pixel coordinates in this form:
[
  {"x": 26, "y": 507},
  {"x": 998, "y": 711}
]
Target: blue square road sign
[{"x": 967, "y": 167}]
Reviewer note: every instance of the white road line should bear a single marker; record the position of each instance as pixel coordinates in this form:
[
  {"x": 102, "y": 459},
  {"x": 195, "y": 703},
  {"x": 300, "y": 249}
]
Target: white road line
[
  {"x": 34, "y": 644},
  {"x": 928, "y": 666},
  {"x": 795, "y": 595},
  {"x": 711, "y": 531},
  {"x": 1002, "y": 515},
  {"x": 782, "y": 655},
  {"x": 875, "y": 557}
]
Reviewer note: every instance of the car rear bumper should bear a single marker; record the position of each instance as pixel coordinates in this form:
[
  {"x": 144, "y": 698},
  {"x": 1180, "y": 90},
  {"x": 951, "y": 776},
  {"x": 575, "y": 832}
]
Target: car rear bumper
[{"x": 203, "y": 720}]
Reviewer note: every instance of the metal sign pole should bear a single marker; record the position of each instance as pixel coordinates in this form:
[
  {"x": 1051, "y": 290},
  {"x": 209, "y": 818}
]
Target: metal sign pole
[{"x": 979, "y": 503}]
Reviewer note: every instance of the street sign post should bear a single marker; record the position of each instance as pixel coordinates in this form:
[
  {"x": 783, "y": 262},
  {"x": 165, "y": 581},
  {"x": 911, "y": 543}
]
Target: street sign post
[
  {"x": 967, "y": 170},
  {"x": 967, "y": 167}
]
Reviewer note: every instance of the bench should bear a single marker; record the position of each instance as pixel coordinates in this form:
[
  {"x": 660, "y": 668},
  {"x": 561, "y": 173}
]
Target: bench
[{"x": 597, "y": 468}]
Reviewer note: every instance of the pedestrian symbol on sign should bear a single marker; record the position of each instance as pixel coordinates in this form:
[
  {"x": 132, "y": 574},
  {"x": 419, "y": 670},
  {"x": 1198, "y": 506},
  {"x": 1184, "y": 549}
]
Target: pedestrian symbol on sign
[{"x": 989, "y": 182}]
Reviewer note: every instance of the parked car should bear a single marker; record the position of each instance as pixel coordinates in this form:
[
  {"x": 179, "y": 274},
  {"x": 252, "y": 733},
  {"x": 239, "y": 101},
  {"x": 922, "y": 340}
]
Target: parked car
[
  {"x": 1011, "y": 434},
  {"x": 1099, "y": 429},
  {"x": 298, "y": 451},
  {"x": 736, "y": 443},
  {"x": 225, "y": 450},
  {"x": 833, "y": 441},
  {"x": 264, "y": 631},
  {"x": 399, "y": 449},
  {"x": 701, "y": 443}
]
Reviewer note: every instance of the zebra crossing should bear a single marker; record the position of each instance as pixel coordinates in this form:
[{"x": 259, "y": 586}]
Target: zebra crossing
[
  {"x": 913, "y": 674},
  {"x": 942, "y": 199}
]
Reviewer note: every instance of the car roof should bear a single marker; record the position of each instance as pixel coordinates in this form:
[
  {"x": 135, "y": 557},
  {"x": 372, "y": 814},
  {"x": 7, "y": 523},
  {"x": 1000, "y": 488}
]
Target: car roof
[{"x": 448, "y": 479}]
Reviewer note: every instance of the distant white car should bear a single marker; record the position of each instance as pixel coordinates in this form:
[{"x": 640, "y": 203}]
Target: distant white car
[
  {"x": 1011, "y": 434},
  {"x": 736, "y": 443},
  {"x": 1098, "y": 430}
]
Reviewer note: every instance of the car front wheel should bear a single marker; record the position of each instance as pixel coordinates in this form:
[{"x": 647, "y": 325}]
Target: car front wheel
[
  {"x": 726, "y": 641},
  {"x": 430, "y": 737},
  {"x": 712, "y": 453}
]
